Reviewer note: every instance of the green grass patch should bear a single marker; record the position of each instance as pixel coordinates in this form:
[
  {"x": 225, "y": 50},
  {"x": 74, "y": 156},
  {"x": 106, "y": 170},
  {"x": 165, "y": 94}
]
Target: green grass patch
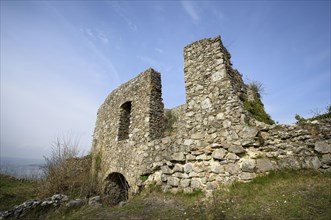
[
  {"x": 286, "y": 194},
  {"x": 256, "y": 108},
  {"x": 15, "y": 191}
]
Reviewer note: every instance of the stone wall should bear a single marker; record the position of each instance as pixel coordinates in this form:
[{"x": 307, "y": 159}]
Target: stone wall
[{"x": 213, "y": 140}]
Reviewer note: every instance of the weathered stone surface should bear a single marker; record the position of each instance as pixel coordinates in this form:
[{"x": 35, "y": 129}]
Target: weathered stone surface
[
  {"x": 178, "y": 168},
  {"x": 232, "y": 168},
  {"x": 326, "y": 159},
  {"x": 247, "y": 176},
  {"x": 289, "y": 162},
  {"x": 264, "y": 165},
  {"x": 206, "y": 103},
  {"x": 236, "y": 149},
  {"x": 248, "y": 165},
  {"x": 195, "y": 183},
  {"x": 219, "y": 154},
  {"x": 322, "y": 147},
  {"x": 166, "y": 170},
  {"x": 216, "y": 167},
  {"x": 232, "y": 156},
  {"x": 178, "y": 157},
  {"x": 248, "y": 132},
  {"x": 173, "y": 181},
  {"x": 188, "y": 168},
  {"x": 185, "y": 183}
]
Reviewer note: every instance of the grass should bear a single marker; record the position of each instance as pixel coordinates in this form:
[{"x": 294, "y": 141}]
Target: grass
[
  {"x": 15, "y": 191},
  {"x": 256, "y": 108},
  {"x": 286, "y": 194}
]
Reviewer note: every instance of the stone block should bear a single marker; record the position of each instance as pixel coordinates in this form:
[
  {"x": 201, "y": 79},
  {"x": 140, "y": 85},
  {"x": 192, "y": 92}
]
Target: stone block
[
  {"x": 247, "y": 176},
  {"x": 219, "y": 154},
  {"x": 205, "y": 104},
  {"x": 185, "y": 183},
  {"x": 178, "y": 168},
  {"x": 232, "y": 156},
  {"x": 166, "y": 170},
  {"x": 232, "y": 168},
  {"x": 178, "y": 157},
  {"x": 188, "y": 168},
  {"x": 248, "y": 165},
  {"x": 173, "y": 181},
  {"x": 236, "y": 149},
  {"x": 322, "y": 147},
  {"x": 197, "y": 136},
  {"x": 195, "y": 183},
  {"x": 215, "y": 145},
  {"x": 264, "y": 165},
  {"x": 216, "y": 167},
  {"x": 248, "y": 132},
  {"x": 326, "y": 159},
  {"x": 203, "y": 157},
  {"x": 190, "y": 157},
  {"x": 188, "y": 142},
  {"x": 288, "y": 162}
]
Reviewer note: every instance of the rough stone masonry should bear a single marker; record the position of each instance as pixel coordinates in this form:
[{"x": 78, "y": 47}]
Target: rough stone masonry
[{"x": 214, "y": 139}]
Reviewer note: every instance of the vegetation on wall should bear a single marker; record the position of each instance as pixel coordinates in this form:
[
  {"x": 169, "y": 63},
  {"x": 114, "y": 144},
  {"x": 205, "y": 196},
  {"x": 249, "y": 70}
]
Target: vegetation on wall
[
  {"x": 169, "y": 121},
  {"x": 316, "y": 115},
  {"x": 98, "y": 160},
  {"x": 256, "y": 107}
]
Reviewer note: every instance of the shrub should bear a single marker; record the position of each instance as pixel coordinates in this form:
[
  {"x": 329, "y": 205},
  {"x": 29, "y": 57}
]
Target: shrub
[
  {"x": 254, "y": 105},
  {"x": 317, "y": 115},
  {"x": 65, "y": 172},
  {"x": 256, "y": 108}
]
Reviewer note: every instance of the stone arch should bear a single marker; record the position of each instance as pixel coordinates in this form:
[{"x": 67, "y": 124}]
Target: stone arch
[
  {"x": 125, "y": 120},
  {"x": 117, "y": 188}
]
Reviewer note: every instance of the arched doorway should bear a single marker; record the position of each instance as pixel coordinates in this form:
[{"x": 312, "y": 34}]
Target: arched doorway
[{"x": 117, "y": 188}]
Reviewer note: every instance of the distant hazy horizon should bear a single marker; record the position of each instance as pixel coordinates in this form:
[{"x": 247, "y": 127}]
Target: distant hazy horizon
[{"x": 22, "y": 167}]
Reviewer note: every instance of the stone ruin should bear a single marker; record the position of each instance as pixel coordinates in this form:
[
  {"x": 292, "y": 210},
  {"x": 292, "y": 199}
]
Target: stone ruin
[{"x": 210, "y": 140}]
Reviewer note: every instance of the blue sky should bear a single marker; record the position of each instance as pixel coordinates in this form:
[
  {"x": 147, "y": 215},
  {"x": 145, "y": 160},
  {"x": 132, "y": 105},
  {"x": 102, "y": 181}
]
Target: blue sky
[{"x": 60, "y": 59}]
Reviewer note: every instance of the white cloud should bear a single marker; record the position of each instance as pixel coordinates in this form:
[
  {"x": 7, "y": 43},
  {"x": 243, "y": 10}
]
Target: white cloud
[{"x": 190, "y": 10}]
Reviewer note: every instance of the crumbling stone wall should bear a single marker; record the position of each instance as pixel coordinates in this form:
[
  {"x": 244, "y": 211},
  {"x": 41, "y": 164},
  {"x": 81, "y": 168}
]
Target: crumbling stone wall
[{"x": 215, "y": 140}]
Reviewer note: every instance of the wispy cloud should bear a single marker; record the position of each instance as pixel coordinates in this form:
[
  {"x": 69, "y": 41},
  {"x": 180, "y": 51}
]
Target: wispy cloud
[
  {"x": 97, "y": 35},
  {"x": 121, "y": 12},
  {"x": 190, "y": 10}
]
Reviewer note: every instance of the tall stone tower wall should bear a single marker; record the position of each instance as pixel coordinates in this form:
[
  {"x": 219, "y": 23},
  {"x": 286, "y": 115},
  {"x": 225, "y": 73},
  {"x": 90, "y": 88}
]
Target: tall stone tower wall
[{"x": 131, "y": 115}]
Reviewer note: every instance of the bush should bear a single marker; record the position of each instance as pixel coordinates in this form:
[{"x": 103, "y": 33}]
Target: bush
[
  {"x": 317, "y": 115},
  {"x": 256, "y": 87},
  {"x": 65, "y": 172}
]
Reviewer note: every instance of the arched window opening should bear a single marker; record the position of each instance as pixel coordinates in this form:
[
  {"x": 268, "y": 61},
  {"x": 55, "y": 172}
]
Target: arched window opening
[
  {"x": 124, "y": 123},
  {"x": 117, "y": 188}
]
